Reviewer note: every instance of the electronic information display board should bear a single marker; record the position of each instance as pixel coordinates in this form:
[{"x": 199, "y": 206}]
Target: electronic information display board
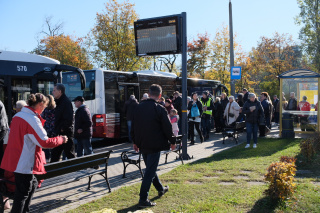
[{"x": 158, "y": 36}]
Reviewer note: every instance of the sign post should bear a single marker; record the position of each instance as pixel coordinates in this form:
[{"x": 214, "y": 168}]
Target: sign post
[{"x": 162, "y": 36}]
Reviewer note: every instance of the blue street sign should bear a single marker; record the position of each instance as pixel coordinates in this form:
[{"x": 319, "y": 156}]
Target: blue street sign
[{"x": 235, "y": 73}]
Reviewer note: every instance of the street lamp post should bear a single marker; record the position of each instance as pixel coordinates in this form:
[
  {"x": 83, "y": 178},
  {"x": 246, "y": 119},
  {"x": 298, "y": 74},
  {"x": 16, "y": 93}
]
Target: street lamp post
[{"x": 232, "y": 82}]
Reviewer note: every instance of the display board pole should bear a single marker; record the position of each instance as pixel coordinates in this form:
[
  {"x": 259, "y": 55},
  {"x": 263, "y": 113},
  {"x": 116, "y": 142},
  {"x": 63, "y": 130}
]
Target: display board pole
[{"x": 184, "y": 121}]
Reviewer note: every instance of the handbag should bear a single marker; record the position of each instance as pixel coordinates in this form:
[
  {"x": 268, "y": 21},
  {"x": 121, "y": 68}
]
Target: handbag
[{"x": 231, "y": 115}]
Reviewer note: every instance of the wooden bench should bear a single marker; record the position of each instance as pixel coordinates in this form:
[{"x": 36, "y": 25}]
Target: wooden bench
[
  {"x": 68, "y": 171},
  {"x": 134, "y": 158},
  {"x": 233, "y": 131}
]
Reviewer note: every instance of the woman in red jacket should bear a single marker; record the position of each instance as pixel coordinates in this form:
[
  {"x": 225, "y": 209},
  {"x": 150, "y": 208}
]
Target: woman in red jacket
[{"x": 24, "y": 155}]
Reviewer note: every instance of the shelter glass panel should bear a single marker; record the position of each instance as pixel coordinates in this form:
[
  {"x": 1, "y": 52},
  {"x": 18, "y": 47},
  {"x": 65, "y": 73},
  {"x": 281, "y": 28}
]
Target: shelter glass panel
[{"x": 300, "y": 104}]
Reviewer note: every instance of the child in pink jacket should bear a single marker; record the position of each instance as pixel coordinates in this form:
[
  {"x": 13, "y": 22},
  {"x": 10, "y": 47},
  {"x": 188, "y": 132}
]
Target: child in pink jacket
[{"x": 174, "y": 117}]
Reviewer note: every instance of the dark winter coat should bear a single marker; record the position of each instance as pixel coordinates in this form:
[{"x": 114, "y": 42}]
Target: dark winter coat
[
  {"x": 246, "y": 97},
  {"x": 48, "y": 115},
  {"x": 224, "y": 103},
  {"x": 199, "y": 105},
  {"x": 151, "y": 128},
  {"x": 266, "y": 108},
  {"x": 63, "y": 124},
  {"x": 129, "y": 108},
  {"x": 177, "y": 104},
  {"x": 82, "y": 120},
  {"x": 292, "y": 104},
  {"x": 255, "y": 117},
  {"x": 218, "y": 110}
]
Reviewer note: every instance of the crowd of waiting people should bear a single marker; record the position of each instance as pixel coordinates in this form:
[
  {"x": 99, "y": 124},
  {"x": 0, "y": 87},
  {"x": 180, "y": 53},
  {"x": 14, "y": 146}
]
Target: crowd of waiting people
[
  {"x": 49, "y": 123},
  {"x": 206, "y": 113}
]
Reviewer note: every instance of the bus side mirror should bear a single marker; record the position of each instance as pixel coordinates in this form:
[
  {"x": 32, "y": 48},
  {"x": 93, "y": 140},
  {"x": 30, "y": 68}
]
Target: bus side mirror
[{"x": 61, "y": 67}]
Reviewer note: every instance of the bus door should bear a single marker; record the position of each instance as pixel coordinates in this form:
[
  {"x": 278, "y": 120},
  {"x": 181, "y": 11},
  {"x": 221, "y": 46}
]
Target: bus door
[
  {"x": 17, "y": 89},
  {"x": 125, "y": 90},
  {"x": 20, "y": 88}
]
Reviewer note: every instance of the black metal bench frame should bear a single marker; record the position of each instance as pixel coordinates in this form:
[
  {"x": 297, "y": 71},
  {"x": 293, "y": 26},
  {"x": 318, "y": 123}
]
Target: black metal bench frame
[
  {"x": 56, "y": 169},
  {"x": 233, "y": 131},
  {"x": 134, "y": 158}
]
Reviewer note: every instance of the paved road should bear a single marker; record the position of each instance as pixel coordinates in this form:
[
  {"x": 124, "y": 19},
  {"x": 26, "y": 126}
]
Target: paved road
[{"x": 72, "y": 195}]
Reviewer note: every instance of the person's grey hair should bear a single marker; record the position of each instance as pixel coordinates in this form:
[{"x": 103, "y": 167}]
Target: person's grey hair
[
  {"x": 304, "y": 98},
  {"x": 20, "y": 104},
  {"x": 217, "y": 99},
  {"x": 61, "y": 87},
  {"x": 275, "y": 96},
  {"x": 252, "y": 95},
  {"x": 189, "y": 98},
  {"x": 232, "y": 97},
  {"x": 132, "y": 97},
  {"x": 145, "y": 95}
]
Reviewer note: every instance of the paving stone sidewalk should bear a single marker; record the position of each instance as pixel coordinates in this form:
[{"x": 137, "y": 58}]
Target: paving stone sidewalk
[{"x": 72, "y": 195}]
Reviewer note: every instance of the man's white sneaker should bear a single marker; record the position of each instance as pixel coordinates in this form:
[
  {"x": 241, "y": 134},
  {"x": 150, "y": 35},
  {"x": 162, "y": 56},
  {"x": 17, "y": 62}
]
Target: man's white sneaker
[
  {"x": 254, "y": 146},
  {"x": 247, "y": 146}
]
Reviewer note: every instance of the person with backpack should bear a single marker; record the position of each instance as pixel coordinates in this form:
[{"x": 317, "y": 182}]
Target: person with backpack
[{"x": 195, "y": 108}]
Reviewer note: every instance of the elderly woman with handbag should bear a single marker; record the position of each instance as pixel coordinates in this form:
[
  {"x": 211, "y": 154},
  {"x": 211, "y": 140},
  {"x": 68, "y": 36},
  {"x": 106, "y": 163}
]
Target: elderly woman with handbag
[{"x": 231, "y": 113}]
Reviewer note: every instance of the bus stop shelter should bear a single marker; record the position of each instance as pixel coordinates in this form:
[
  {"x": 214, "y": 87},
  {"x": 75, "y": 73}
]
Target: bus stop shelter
[{"x": 300, "y": 116}]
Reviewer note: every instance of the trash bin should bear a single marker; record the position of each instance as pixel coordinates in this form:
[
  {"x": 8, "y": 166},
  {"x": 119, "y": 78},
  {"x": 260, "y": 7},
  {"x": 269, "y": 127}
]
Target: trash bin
[{"x": 287, "y": 126}]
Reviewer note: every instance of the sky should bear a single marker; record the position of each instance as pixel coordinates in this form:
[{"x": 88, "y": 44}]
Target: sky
[{"x": 21, "y": 20}]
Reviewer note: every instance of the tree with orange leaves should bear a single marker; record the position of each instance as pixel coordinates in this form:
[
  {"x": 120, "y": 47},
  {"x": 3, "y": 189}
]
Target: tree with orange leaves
[
  {"x": 65, "y": 49},
  {"x": 198, "y": 52}
]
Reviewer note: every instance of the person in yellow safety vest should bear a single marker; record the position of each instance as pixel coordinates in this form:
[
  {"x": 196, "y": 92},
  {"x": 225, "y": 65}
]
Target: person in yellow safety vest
[{"x": 207, "y": 104}]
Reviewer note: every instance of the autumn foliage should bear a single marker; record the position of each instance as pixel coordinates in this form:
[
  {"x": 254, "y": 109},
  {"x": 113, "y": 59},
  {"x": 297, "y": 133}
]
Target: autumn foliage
[
  {"x": 280, "y": 176},
  {"x": 65, "y": 49}
]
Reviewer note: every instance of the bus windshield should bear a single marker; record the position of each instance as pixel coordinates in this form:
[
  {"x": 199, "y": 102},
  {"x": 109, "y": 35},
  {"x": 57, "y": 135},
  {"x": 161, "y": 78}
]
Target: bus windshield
[{"x": 71, "y": 80}]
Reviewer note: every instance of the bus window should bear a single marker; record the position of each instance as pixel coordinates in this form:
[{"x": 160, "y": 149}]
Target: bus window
[
  {"x": 45, "y": 87},
  {"x": 20, "y": 90},
  {"x": 71, "y": 81}
]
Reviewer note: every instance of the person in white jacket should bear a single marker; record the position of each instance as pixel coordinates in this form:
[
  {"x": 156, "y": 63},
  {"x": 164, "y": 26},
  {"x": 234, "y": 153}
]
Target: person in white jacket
[{"x": 231, "y": 112}]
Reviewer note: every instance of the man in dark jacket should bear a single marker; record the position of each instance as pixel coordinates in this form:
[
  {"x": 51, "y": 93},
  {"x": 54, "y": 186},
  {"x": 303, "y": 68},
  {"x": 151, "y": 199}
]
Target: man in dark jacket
[
  {"x": 275, "y": 113},
  {"x": 129, "y": 108},
  {"x": 292, "y": 103},
  {"x": 207, "y": 104},
  {"x": 267, "y": 113},
  {"x": 63, "y": 124},
  {"x": 177, "y": 104},
  {"x": 245, "y": 95},
  {"x": 218, "y": 115},
  {"x": 151, "y": 133},
  {"x": 254, "y": 116},
  {"x": 82, "y": 127}
]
